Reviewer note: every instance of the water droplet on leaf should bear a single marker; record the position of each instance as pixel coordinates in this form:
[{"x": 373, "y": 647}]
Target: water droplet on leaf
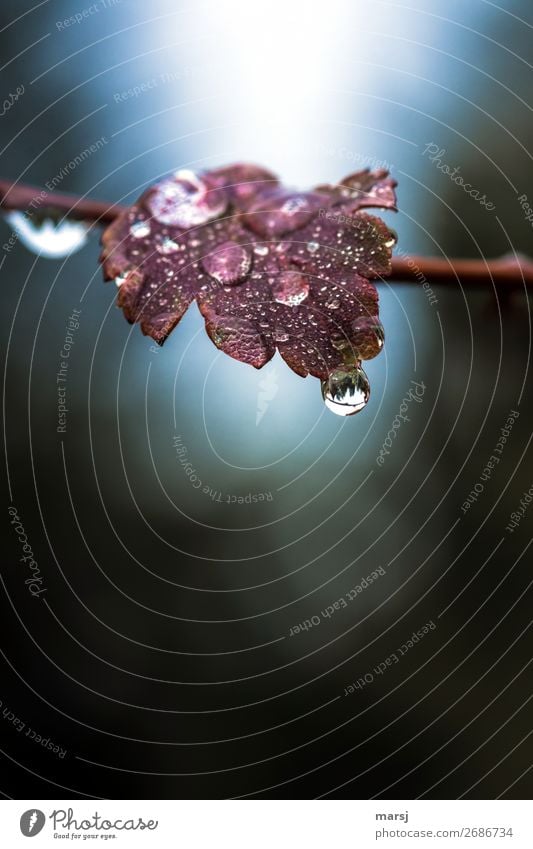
[
  {"x": 229, "y": 263},
  {"x": 312, "y": 247},
  {"x": 168, "y": 246},
  {"x": 219, "y": 336},
  {"x": 282, "y": 212},
  {"x": 290, "y": 288},
  {"x": 184, "y": 200},
  {"x": 48, "y": 238},
  {"x": 340, "y": 340},
  {"x": 280, "y": 334},
  {"x": 140, "y": 229},
  {"x": 392, "y": 241},
  {"x": 346, "y": 391},
  {"x": 368, "y": 336}
]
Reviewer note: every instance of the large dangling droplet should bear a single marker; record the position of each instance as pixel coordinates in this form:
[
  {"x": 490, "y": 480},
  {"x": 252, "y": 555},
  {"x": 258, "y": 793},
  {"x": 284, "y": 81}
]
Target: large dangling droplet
[
  {"x": 47, "y": 237},
  {"x": 346, "y": 391}
]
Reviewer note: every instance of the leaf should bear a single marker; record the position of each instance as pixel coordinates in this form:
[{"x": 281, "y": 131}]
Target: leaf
[{"x": 268, "y": 266}]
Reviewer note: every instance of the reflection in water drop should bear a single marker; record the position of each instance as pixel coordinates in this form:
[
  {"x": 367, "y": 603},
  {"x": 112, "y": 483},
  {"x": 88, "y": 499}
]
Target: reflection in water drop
[
  {"x": 346, "y": 391},
  {"x": 291, "y": 288},
  {"x": 47, "y": 238}
]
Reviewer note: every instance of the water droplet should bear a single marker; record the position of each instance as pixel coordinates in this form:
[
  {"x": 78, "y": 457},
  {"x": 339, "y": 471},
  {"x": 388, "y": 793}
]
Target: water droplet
[
  {"x": 261, "y": 250},
  {"x": 120, "y": 279},
  {"x": 340, "y": 340},
  {"x": 168, "y": 246},
  {"x": 368, "y": 336},
  {"x": 140, "y": 229},
  {"x": 392, "y": 241},
  {"x": 346, "y": 391},
  {"x": 290, "y": 288},
  {"x": 184, "y": 200},
  {"x": 333, "y": 303},
  {"x": 312, "y": 247},
  {"x": 47, "y": 238},
  {"x": 380, "y": 334},
  {"x": 282, "y": 212},
  {"x": 229, "y": 263},
  {"x": 280, "y": 334}
]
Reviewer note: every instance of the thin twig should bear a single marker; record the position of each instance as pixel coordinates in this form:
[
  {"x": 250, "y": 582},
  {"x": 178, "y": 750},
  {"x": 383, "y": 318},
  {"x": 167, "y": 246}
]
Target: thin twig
[
  {"x": 30, "y": 199},
  {"x": 510, "y": 270}
]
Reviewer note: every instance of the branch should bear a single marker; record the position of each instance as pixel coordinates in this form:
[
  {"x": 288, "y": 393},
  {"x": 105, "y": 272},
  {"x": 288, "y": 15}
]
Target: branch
[
  {"x": 510, "y": 270},
  {"x": 29, "y": 199}
]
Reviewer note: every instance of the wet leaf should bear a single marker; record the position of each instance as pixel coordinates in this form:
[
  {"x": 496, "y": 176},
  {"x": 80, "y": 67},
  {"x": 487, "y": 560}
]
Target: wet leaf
[{"x": 270, "y": 268}]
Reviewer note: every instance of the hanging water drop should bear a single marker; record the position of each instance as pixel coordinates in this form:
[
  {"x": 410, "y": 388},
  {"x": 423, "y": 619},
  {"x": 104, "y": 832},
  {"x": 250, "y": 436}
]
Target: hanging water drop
[
  {"x": 346, "y": 391},
  {"x": 48, "y": 238}
]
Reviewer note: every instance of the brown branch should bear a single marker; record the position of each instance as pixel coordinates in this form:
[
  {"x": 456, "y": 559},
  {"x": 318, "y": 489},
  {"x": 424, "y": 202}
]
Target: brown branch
[
  {"x": 30, "y": 199},
  {"x": 510, "y": 270}
]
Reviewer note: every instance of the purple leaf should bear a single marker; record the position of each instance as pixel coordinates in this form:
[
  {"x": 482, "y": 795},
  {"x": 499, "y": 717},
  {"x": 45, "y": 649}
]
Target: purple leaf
[{"x": 269, "y": 267}]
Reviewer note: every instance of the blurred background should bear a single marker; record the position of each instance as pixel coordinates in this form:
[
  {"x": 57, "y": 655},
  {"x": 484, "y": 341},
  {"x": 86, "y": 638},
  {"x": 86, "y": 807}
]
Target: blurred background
[{"x": 161, "y": 656}]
